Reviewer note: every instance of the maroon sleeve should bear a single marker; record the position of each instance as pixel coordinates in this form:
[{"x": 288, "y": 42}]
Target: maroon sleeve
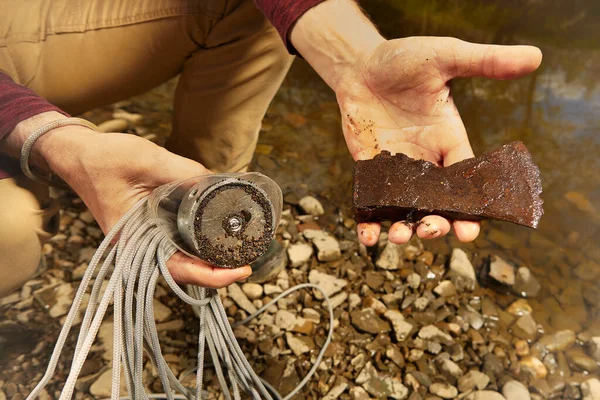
[
  {"x": 283, "y": 14},
  {"x": 17, "y": 103}
]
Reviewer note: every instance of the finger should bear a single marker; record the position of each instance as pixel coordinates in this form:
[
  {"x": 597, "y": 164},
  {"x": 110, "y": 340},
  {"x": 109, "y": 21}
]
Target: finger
[
  {"x": 400, "y": 232},
  {"x": 368, "y": 233},
  {"x": 432, "y": 226},
  {"x": 463, "y": 59},
  {"x": 466, "y": 231},
  {"x": 186, "y": 270}
]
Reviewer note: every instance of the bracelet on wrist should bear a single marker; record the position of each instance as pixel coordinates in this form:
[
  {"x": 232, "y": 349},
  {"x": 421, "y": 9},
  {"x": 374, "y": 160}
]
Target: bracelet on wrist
[{"x": 28, "y": 145}]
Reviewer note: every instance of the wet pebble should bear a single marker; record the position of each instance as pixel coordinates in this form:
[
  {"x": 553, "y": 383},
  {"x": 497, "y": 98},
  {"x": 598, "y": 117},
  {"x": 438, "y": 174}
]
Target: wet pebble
[
  {"x": 379, "y": 385},
  {"x": 473, "y": 379},
  {"x": 526, "y": 283},
  {"x": 445, "y": 289},
  {"x": 534, "y": 367},
  {"x": 525, "y": 327},
  {"x": 366, "y": 320},
  {"x": 461, "y": 271},
  {"x": 432, "y": 332},
  {"x": 590, "y": 389},
  {"x": 328, "y": 283},
  {"x": 515, "y": 390},
  {"x": 239, "y": 297},
  {"x": 299, "y": 254},
  {"x": 299, "y": 344},
  {"x": 443, "y": 390},
  {"x": 389, "y": 259},
  {"x": 401, "y": 327},
  {"x": 252, "y": 290},
  {"x": 501, "y": 271},
  {"x": 328, "y": 249},
  {"x": 558, "y": 341},
  {"x": 311, "y": 206},
  {"x": 582, "y": 361},
  {"x": 484, "y": 395}
]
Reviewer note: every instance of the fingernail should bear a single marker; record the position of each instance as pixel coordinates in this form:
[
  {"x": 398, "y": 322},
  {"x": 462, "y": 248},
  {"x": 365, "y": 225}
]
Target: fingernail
[{"x": 246, "y": 274}]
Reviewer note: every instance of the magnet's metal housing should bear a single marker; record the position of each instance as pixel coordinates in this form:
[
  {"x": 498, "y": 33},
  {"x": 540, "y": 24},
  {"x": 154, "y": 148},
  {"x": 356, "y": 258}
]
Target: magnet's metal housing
[{"x": 227, "y": 220}]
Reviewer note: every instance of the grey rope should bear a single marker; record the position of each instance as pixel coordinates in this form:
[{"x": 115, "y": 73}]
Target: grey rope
[
  {"x": 30, "y": 141},
  {"x": 139, "y": 257}
]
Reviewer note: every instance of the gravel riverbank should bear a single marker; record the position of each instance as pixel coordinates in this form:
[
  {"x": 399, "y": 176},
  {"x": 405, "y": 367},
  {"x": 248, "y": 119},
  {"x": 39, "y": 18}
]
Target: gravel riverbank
[{"x": 426, "y": 320}]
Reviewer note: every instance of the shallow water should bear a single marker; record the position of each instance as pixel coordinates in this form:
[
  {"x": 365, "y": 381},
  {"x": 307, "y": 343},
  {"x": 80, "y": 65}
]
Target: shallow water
[{"x": 555, "y": 112}]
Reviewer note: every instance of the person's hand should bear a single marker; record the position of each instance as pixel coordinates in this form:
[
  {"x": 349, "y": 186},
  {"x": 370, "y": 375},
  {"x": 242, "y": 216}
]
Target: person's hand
[
  {"x": 397, "y": 98},
  {"x": 111, "y": 172}
]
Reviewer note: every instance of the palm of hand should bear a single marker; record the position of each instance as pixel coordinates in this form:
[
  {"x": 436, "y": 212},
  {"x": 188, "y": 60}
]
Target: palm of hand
[{"x": 402, "y": 103}]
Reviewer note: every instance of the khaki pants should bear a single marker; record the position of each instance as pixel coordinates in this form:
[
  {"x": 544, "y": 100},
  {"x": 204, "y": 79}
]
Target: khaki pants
[{"x": 83, "y": 54}]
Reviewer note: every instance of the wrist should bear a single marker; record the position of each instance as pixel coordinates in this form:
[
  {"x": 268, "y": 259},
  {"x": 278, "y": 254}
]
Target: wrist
[
  {"x": 54, "y": 150},
  {"x": 334, "y": 37}
]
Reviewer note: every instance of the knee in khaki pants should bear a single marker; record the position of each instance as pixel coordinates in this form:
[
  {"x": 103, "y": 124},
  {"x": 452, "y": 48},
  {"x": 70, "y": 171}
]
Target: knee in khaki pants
[{"x": 28, "y": 218}]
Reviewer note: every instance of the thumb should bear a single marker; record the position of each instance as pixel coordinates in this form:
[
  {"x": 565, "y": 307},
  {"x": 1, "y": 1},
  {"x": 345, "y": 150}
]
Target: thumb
[
  {"x": 462, "y": 59},
  {"x": 174, "y": 168}
]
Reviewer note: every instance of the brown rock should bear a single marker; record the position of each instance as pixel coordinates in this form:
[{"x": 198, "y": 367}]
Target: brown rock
[{"x": 503, "y": 184}]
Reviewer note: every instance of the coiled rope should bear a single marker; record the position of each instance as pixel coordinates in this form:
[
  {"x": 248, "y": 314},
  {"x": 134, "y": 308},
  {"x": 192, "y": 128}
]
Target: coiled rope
[{"x": 139, "y": 257}]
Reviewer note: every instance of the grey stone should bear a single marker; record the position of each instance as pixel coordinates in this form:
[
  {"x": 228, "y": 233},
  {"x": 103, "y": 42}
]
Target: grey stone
[
  {"x": 413, "y": 280},
  {"x": 328, "y": 249},
  {"x": 534, "y": 367},
  {"x": 443, "y": 390},
  {"x": 449, "y": 367},
  {"x": 389, "y": 259},
  {"x": 252, "y": 290},
  {"x": 161, "y": 312},
  {"x": 284, "y": 319},
  {"x": 526, "y": 284},
  {"x": 558, "y": 341},
  {"x": 311, "y": 206},
  {"x": 328, "y": 283},
  {"x": 353, "y": 300},
  {"x": 401, "y": 327},
  {"x": 338, "y": 299},
  {"x": 582, "y": 361},
  {"x": 432, "y": 332},
  {"x": 243, "y": 332},
  {"x": 299, "y": 254},
  {"x": 87, "y": 217},
  {"x": 358, "y": 393},
  {"x": 379, "y": 385},
  {"x": 525, "y": 327},
  {"x": 590, "y": 389},
  {"x": 270, "y": 289},
  {"x": 239, "y": 297},
  {"x": 445, "y": 289},
  {"x": 515, "y": 390},
  {"x": 367, "y": 320},
  {"x": 336, "y": 391},
  {"x": 299, "y": 344},
  {"x": 473, "y": 379},
  {"x": 421, "y": 303},
  {"x": 461, "y": 270},
  {"x": 501, "y": 271},
  {"x": 484, "y": 395}
]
